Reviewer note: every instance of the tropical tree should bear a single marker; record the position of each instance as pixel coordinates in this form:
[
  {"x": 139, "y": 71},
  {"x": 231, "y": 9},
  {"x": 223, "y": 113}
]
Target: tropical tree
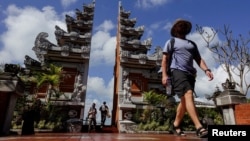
[
  {"x": 51, "y": 76},
  {"x": 232, "y": 54}
]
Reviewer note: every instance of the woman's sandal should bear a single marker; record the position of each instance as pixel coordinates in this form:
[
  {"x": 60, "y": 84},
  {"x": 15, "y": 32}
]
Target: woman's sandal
[
  {"x": 174, "y": 131},
  {"x": 202, "y": 132}
]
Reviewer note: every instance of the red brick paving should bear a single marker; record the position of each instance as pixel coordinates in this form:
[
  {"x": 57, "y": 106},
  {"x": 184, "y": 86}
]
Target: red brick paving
[
  {"x": 106, "y": 134},
  {"x": 100, "y": 137}
]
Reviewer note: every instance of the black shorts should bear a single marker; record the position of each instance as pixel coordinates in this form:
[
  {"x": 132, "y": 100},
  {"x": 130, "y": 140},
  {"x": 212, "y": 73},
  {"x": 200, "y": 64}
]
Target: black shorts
[{"x": 182, "y": 82}]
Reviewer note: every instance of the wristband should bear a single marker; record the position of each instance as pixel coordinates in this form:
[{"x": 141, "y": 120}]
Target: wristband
[{"x": 207, "y": 70}]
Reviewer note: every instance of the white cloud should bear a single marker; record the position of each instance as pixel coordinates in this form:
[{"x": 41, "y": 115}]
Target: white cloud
[
  {"x": 66, "y": 3},
  {"x": 109, "y": 51},
  {"x": 167, "y": 26},
  {"x": 204, "y": 100},
  {"x": 97, "y": 85},
  {"x": 106, "y": 26},
  {"x": 203, "y": 86},
  {"x": 150, "y": 3},
  {"x": 23, "y": 25},
  {"x": 103, "y": 45}
]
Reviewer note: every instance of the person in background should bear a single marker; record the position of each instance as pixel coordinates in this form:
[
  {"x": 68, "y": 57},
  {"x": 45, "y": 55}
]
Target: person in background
[
  {"x": 30, "y": 116},
  {"x": 92, "y": 117},
  {"x": 183, "y": 74},
  {"x": 104, "y": 113}
]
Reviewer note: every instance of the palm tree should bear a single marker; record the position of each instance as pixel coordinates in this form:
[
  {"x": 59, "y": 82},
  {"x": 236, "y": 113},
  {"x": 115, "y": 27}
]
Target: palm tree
[{"x": 51, "y": 76}]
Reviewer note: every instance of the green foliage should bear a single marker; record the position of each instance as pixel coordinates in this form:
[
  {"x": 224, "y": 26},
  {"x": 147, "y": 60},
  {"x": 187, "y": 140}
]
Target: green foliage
[
  {"x": 51, "y": 117},
  {"x": 212, "y": 113},
  {"x": 150, "y": 126},
  {"x": 154, "y": 126},
  {"x": 248, "y": 100},
  {"x": 153, "y": 119},
  {"x": 52, "y": 76},
  {"x": 42, "y": 124},
  {"x": 146, "y": 115},
  {"x": 153, "y": 98},
  {"x": 137, "y": 116}
]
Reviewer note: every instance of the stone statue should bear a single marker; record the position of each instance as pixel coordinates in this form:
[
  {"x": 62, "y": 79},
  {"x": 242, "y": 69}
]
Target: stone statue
[
  {"x": 126, "y": 86},
  {"x": 228, "y": 85},
  {"x": 79, "y": 89}
]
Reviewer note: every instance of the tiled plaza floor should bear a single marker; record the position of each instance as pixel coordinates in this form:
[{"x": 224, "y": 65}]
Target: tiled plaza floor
[
  {"x": 100, "y": 137},
  {"x": 106, "y": 134}
]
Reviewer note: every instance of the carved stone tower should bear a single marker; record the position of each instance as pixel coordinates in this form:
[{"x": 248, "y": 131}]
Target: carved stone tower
[
  {"x": 135, "y": 71},
  {"x": 72, "y": 52}
]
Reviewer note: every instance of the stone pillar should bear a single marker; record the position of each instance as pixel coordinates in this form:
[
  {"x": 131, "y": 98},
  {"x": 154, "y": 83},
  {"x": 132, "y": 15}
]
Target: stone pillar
[
  {"x": 228, "y": 115},
  {"x": 227, "y": 101},
  {"x": 10, "y": 89}
]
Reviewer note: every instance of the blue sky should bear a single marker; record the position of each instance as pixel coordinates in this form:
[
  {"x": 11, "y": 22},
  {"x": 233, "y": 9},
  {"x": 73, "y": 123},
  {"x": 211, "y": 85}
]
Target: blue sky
[{"x": 22, "y": 20}]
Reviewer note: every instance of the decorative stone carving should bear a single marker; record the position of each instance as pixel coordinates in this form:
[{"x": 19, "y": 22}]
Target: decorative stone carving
[
  {"x": 135, "y": 41},
  {"x": 89, "y": 7},
  {"x": 128, "y": 126},
  {"x": 142, "y": 58},
  {"x": 124, "y": 14},
  {"x": 73, "y": 35},
  {"x": 125, "y": 74},
  {"x": 128, "y": 115},
  {"x": 158, "y": 55},
  {"x": 65, "y": 50},
  {"x": 124, "y": 55},
  {"x": 79, "y": 89},
  {"x": 140, "y": 28},
  {"x": 147, "y": 43},
  {"x": 42, "y": 44},
  {"x": 78, "y": 12},
  {"x": 126, "y": 90},
  {"x": 87, "y": 35},
  {"x": 69, "y": 19},
  {"x": 123, "y": 39},
  {"x": 32, "y": 62},
  {"x": 228, "y": 85},
  {"x": 85, "y": 55},
  {"x": 129, "y": 22},
  {"x": 72, "y": 113},
  {"x": 59, "y": 32},
  {"x": 85, "y": 49},
  {"x": 74, "y": 124}
]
